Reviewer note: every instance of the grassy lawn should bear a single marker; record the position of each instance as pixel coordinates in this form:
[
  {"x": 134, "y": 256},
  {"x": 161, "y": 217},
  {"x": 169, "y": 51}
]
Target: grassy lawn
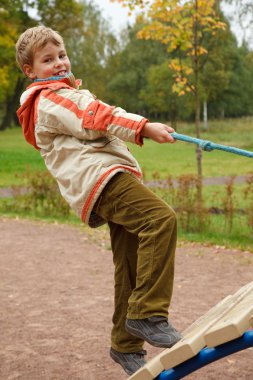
[
  {"x": 155, "y": 159},
  {"x": 179, "y": 158},
  {"x": 160, "y": 161},
  {"x": 16, "y": 156}
]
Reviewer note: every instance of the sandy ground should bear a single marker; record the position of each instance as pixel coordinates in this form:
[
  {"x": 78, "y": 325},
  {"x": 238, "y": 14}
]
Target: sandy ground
[{"x": 56, "y": 295}]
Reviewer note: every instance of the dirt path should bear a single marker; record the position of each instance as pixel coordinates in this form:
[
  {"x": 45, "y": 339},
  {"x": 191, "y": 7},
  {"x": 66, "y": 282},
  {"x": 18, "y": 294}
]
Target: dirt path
[{"x": 56, "y": 295}]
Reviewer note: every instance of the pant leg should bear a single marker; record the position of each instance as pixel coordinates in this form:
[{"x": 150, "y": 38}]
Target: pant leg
[
  {"x": 126, "y": 202},
  {"x": 124, "y": 248}
]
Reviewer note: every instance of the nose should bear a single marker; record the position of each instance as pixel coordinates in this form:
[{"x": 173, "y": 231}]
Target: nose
[{"x": 58, "y": 62}]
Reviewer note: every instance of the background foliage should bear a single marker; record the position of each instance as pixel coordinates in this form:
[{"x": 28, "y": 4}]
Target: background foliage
[{"x": 122, "y": 69}]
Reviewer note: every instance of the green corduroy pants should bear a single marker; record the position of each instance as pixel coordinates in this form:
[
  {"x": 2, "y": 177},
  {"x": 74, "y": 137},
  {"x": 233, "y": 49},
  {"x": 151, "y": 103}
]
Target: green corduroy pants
[{"x": 143, "y": 232}]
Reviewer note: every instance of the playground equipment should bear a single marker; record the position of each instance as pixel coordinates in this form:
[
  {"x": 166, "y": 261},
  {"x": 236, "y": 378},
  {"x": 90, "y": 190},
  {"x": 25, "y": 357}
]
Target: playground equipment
[{"x": 219, "y": 333}]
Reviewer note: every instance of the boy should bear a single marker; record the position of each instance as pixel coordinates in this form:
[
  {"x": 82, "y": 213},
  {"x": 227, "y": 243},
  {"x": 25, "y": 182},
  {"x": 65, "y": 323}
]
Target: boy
[{"x": 80, "y": 139}]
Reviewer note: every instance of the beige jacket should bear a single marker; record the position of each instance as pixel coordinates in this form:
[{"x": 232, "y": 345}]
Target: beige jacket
[{"x": 80, "y": 140}]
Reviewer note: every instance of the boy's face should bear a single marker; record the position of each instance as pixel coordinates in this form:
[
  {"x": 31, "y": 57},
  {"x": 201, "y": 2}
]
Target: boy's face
[{"x": 51, "y": 60}]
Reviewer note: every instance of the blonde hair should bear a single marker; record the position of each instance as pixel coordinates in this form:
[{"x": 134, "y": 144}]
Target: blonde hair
[{"x": 32, "y": 40}]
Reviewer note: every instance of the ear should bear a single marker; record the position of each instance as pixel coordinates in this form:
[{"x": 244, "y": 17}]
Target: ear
[{"x": 28, "y": 70}]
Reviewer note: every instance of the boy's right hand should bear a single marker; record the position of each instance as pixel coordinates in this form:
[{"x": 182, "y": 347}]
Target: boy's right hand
[{"x": 158, "y": 132}]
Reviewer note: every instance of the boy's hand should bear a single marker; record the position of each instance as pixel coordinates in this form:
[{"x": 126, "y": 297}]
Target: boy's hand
[{"x": 158, "y": 132}]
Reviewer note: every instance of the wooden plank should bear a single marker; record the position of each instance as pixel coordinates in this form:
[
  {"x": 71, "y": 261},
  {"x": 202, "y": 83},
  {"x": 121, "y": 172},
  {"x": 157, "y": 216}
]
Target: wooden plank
[
  {"x": 233, "y": 324},
  {"x": 193, "y": 340}
]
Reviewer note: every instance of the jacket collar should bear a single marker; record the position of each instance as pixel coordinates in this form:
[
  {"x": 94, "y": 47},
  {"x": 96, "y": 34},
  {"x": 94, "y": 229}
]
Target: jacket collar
[{"x": 68, "y": 79}]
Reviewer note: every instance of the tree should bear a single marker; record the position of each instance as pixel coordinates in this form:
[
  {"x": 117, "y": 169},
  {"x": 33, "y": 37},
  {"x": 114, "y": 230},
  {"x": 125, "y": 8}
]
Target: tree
[
  {"x": 65, "y": 16},
  {"x": 127, "y": 70},
  {"x": 182, "y": 27},
  {"x": 158, "y": 96},
  {"x": 237, "y": 98},
  {"x": 14, "y": 18},
  {"x": 217, "y": 70},
  {"x": 92, "y": 49}
]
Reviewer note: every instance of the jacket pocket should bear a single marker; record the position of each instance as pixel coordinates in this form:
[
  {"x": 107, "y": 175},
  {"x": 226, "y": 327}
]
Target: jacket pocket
[{"x": 99, "y": 143}]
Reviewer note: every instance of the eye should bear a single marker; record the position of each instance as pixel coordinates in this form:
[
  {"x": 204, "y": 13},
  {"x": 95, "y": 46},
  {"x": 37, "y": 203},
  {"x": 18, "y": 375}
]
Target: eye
[
  {"x": 48, "y": 60},
  {"x": 62, "y": 56}
]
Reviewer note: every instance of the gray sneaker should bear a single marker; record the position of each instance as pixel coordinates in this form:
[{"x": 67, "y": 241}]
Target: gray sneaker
[
  {"x": 157, "y": 331},
  {"x": 130, "y": 362}
]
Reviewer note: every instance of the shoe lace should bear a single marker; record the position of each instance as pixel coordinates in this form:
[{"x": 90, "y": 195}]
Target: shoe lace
[{"x": 159, "y": 319}]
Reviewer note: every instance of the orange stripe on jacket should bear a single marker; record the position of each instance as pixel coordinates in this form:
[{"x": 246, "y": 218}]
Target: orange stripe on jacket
[
  {"x": 99, "y": 116},
  {"x": 96, "y": 116},
  {"x": 63, "y": 102}
]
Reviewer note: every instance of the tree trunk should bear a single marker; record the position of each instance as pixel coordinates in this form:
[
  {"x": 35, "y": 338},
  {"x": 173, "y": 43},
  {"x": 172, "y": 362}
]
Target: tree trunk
[
  {"x": 205, "y": 117},
  {"x": 174, "y": 113},
  {"x": 198, "y": 149},
  {"x": 197, "y": 110},
  {"x": 12, "y": 103}
]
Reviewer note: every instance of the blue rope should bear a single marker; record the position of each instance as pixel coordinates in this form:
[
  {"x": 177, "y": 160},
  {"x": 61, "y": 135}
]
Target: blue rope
[{"x": 208, "y": 146}]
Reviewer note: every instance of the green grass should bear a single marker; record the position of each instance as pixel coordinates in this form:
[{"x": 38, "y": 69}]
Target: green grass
[
  {"x": 217, "y": 234},
  {"x": 159, "y": 161},
  {"x": 16, "y": 156},
  {"x": 164, "y": 160},
  {"x": 180, "y": 158}
]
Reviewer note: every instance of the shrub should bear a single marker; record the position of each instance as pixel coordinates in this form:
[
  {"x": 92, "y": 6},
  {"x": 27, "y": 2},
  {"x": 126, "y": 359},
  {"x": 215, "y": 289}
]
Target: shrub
[
  {"x": 40, "y": 196},
  {"x": 183, "y": 197},
  {"x": 228, "y": 204},
  {"x": 249, "y": 195}
]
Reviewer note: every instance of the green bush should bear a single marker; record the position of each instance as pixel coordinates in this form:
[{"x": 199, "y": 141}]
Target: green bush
[
  {"x": 40, "y": 197},
  {"x": 183, "y": 196},
  {"x": 225, "y": 218},
  {"x": 249, "y": 196}
]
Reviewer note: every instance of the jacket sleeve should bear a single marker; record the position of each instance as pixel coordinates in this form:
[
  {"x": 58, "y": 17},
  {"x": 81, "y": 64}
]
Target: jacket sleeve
[{"x": 80, "y": 114}]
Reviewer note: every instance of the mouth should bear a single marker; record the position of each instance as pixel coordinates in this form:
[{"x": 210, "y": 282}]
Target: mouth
[{"x": 61, "y": 73}]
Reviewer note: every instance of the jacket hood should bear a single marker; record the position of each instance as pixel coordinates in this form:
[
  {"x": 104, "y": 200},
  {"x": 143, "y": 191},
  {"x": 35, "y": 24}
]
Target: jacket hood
[{"x": 27, "y": 112}]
